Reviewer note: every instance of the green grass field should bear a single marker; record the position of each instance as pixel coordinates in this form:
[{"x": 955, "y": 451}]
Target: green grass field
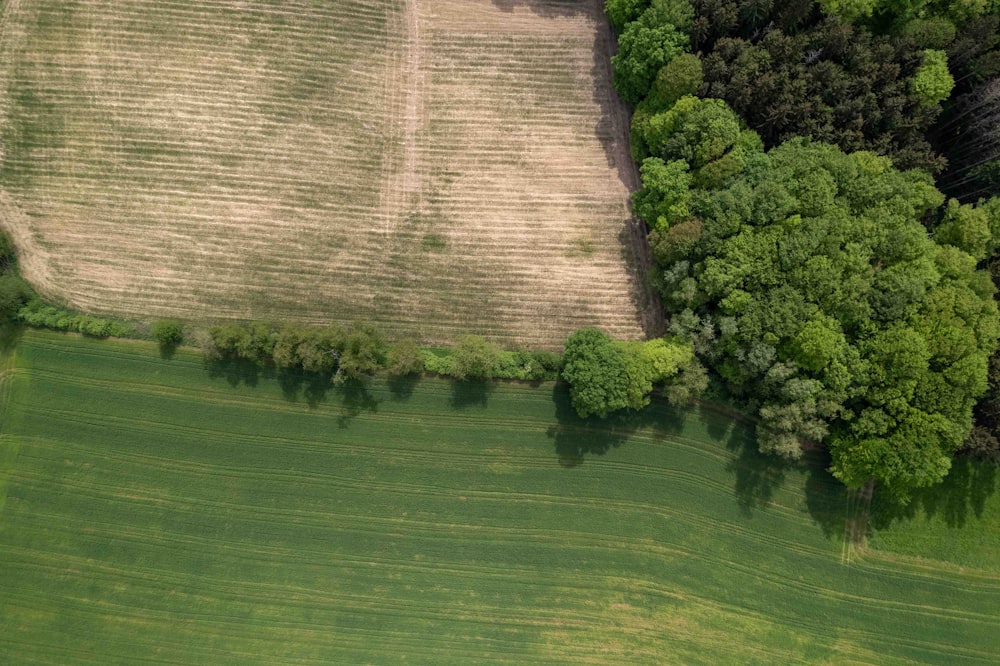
[{"x": 157, "y": 512}]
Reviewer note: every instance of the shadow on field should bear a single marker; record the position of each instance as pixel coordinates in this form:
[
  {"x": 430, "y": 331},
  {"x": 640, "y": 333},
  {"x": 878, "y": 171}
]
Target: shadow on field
[
  {"x": 962, "y": 494},
  {"x": 311, "y": 386},
  {"x": 402, "y": 388},
  {"x": 356, "y": 399},
  {"x": 167, "y": 350},
  {"x": 827, "y": 499},
  {"x": 574, "y": 437},
  {"x": 235, "y": 371},
  {"x": 756, "y": 476},
  {"x": 470, "y": 393},
  {"x": 10, "y": 335}
]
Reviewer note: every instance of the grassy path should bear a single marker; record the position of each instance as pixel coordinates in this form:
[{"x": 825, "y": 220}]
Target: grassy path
[{"x": 156, "y": 513}]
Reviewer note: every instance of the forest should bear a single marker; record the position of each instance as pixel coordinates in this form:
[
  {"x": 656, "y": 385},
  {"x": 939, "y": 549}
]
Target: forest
[{"x": 817, "y": 183}]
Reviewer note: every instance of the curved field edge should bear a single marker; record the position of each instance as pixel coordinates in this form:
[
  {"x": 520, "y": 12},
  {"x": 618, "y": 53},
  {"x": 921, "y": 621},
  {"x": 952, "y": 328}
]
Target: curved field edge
[
  {"x": 157, "y": 512},
  {"x": 435, "y": 166}
]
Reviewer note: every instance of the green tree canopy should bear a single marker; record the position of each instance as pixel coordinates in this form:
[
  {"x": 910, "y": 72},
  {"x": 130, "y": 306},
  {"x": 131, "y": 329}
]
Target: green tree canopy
[
  {"x": 474, "y": 358},
  {"x": 809, "y": 282}
]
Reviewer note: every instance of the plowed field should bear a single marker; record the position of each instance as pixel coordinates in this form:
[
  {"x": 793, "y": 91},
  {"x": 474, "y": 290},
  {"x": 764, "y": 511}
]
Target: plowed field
[{"x": 436, "y": 166}]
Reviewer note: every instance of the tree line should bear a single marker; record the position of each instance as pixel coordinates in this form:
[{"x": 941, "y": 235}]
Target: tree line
[{"x": 358, "y": 350}]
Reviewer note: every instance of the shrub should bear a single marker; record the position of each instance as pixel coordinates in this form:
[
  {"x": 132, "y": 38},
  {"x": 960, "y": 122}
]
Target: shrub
[
  {"x": 405, "y": 359},
  {"x": 168, "y": 332}
]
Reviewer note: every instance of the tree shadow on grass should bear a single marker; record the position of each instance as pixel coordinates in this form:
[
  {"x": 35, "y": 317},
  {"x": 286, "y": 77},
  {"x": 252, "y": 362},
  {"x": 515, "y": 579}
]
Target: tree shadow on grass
[
  {"x": 574, "y": 438},
  {"x": 756, "y": 476},
  {"x": 827, "y": 499},
  {"x": 961, "y": 495},
  {"x": 355, "y": 400},
  {"x": 10, "y": 335},
  {"x": 167, "y": 350},
  {"x": 236, "y": 371},
  {"x": 470, "y": 393},
  {"x": 402, "y": 387}
]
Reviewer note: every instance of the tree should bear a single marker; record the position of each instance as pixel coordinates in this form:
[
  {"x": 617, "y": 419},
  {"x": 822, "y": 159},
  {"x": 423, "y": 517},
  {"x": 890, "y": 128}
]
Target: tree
[
  {"x": 933, "y": 82},
  {"x": 14, "y": 293},
  {"x": 405, "y": 359},
  {"x": 596, "y": 371},
  {"x": 809, "y": 283},
  {"x": 474, "y": 358},
  {"x": 647, "y": 44},
  {"x": 168, "y": 332},
  {"x": 791, "y": 73},
  {"x": 621, "y": 12},
  {"x": 362, "y": 350}
]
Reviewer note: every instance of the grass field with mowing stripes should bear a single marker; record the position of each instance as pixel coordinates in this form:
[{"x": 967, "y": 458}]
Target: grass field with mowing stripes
[{"x": 158, "y": 512}]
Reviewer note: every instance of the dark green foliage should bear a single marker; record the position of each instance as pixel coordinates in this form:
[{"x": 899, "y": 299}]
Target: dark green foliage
[
  {"x": 827, "y": 79},
  {"x": 474, "y": 358},
  {"x": 404, "y": 358},
  {"x": 168, "y": 332},
  {"x": 363, "y": 350},
  {"x": 14, "y": 292},
  {"x": 6, "y": 249},
  {"x": 811, "y": 286},
  {"x": 983, "y": 444}
]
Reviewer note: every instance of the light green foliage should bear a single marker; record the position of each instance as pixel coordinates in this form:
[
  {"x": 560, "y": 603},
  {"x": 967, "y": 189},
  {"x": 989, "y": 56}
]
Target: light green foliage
[
  {"x": 814, "y": 290},
  {"x": 680, "y": 77},
  {"x": 663, "y": 199},
  {"x": 369, "y": 529},
  {"x": 168, "y": 332},
  {"x": 37, "y": 313},
  {"x": 650, "y": 363},
  {"x": 968, "y": 229},
  {"x": 649, "y": 43},
  {"x": 903, "y": 10},
  {"x": 474, "y": 358},
  {"x": 933, "y": 82},
  {"x": 437, "y": 361},
  {"x": 621, "y": 12},
  {"x": 695, "y": 130},
  {"x": 849, "y": 9},
  {"x": 691, "y": 382},
  {"x": 286, "y": 347},
  {"x": 607, "y": 375},
  {"x": 320, "y": 349},
  {"x": 699, "y": 142},
  {"x": 404, "y": 358}
]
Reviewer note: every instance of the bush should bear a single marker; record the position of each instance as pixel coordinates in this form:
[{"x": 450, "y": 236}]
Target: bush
[
  {"x": 37, "y": 313},
  {"x": 475, "y": 358},
  {"x": 405, "y": 359},
  {"x": 168, "y": 332}
]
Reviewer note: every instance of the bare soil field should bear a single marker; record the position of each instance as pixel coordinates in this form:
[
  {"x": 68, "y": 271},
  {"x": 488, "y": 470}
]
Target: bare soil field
[{"x": 436, "y": 166}]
